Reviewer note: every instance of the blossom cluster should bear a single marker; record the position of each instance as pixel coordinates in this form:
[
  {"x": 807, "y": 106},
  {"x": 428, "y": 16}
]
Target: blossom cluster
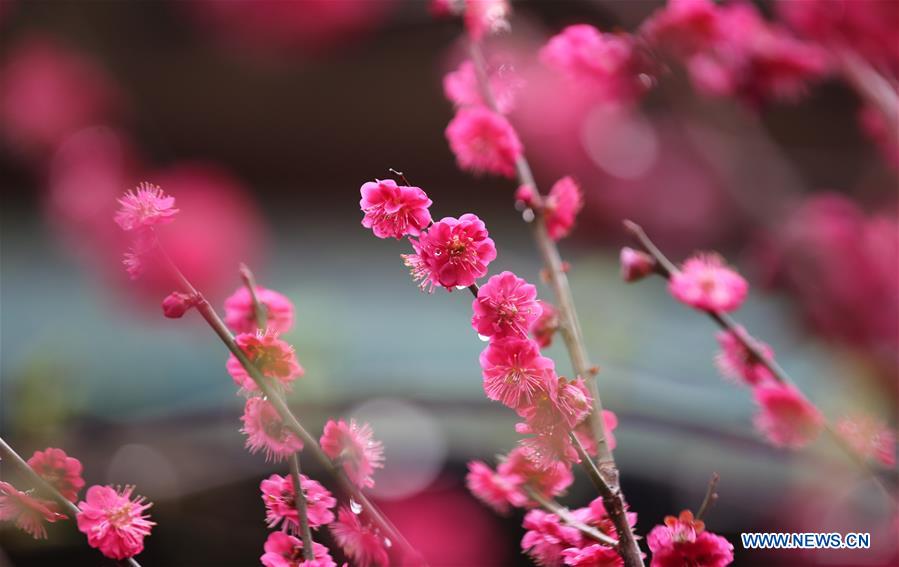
[{"x": 114, "y": 521}]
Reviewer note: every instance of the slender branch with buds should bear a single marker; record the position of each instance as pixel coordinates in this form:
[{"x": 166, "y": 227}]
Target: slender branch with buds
[{"x": 710, "y": 496}]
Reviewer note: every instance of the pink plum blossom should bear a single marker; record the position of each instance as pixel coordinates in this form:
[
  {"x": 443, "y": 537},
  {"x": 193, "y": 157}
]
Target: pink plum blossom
[
  {"x": 505, "y": 306},
  {"x": 394, "y": 211},
  {"x": 736, "y": 362},
  {"x": 273, "y": 357},
  {"x": 561, "y": 206},
  {"x": 548, "y": 481},
  {"x": 352, "y": 446},
  {"x": 497, "y": 490},
  {"x": 483, "y": 141},
  {"x": 114, "y": 522},
  {"x": 684, "y": 541},
  {"x": 635, "y": 264},
  {"x": 360, "y": 541},
  {"x": 145, "y": 207},
  {"x": 61, "y": 471},
  {"x": 546, "y": 325},
  {"x": 265, "y": 430},
  {"x": 279, "y": 497},
  {"x": 283, "y": 550},
  {"x": 514, "y": 371},
  {"x": 26, "y": 511},
  {"x": 684, "y": 27},
  {"x": 462, "y": 89},
  {"x": 546, "y": 537},
  {"x": 595, "y": 555},
  {"x": 584, "y": 432},
  {"x": 785, "y": 417},
  {"x": 869, "y": 438},
  {"x": 485, "y": 17},
  {"x": 452, "y": 253},
  {"x": 240, "y": 313},
  {"x": 705, "y": 282}
]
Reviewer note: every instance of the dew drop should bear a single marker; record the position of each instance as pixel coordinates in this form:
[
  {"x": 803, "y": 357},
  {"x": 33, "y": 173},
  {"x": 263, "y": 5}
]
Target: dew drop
[
  {"x": 461, "y": 287},
  {"x": 527, "y": 215},
  {"x": 387, "y": 543},
  {"x": 484, "y": 338},
  {"x": 355, "y": 507}
]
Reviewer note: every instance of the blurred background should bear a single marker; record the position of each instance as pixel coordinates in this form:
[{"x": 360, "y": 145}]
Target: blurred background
[{"x": 263, "y": 119}]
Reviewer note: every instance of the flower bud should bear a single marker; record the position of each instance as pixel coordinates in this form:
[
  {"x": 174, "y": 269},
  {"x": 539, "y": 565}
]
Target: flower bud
[
  {"x": 176, "y": 304},
  {"x": 635, "y": 265}
]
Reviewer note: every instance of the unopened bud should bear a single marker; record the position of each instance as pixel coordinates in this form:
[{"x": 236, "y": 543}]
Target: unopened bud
[
  {"x": 176, "y": 304},
  {"x": 635, "y": 265}
]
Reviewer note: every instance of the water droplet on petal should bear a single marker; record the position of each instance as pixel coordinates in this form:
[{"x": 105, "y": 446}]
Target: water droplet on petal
[
  {"x": 527, "y": 215},
  {"x": 461, "y": 287},
  {"x": 387, "y": 543},
  {"x": 355, "y": 507},
  {"x": 484, "y": 338}
]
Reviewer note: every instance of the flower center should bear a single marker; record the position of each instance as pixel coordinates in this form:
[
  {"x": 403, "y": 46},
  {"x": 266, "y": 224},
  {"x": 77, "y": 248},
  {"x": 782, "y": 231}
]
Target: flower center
[{"x": 120, "y": 517}]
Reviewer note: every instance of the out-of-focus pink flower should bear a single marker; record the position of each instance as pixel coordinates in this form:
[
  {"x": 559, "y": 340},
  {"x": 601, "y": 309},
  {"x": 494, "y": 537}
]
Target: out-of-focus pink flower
[
  {"x": 867, "y": 26},
  {"x": 594, "y": 555},
  {"x": 635, "y": 264},
  {"x": 506, "y": 306},
  {"x": 847, "y": 294},
  {"x": 684, "y": 27},
  {"x": 484, "y": 17},
  {"x": 353, "y": 446},
  {"x": 736, "y": 362},
  {"x": 47, "y": 92},
  {"x": 240, "y": 313},
  {"x": 608, "y": 63},
  {"x": 27, "y": 512},
  {"x": 515, "y": 372},
  {"x": 462, "y": 89},
  {"x": 283, "y": 550},
  {"x": 561, "y": 402},
  {"x": 546, "y": 537},
  {"x": 452, "y": 253},
  {"x": 869, "y": 438},
  {"x": 114, "y": 522},
  {"x": 176, "y": 304},
  {"x": 279, "y": 497},
  {"x": 394, "y": 211},
  {"x": 584, "y": 433},
  {"x": 546, "y": 325},
  {"x": 706, "y": 283},
  {"x": 273, "y": 357},
  {"x": 561, "y": 206},
  {"x": 145, "y": 207},
  {"x": 61, "y": 471},
  {"x": 684, "y": 541},
  {"x": 785, "y": 417},
  {"x": 548, "y": 481},
  {"x": 483, "y": 141},
  {"x": 266, "y": 431},
  {"x": 497, "y": 490},
  {"x": 360, "y": 542},
  {"x": 755, "y": 59},
  {"x": 877, "y": 127}
]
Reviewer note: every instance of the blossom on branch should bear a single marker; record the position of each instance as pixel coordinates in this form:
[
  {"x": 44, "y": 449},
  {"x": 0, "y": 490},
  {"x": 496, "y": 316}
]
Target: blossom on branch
[
  {"x": 394, "y": 211},
  {"x": 505, "y": 306},
  {"x": 452, "y": 253},
  {"x": 786, "y": 418},
  {"x": 360, "y": 541},
  {"x": 515, "y": 372},
  {"x": 266, "y": 431},
  {"x": 240, "y": 312},
  {"x": 684, "y": 541},
  {"x": 273, "y": 357},
  {"x": 353, "y": 446},
  {"x": 26, "y": 511},
  {"x": 114, "y": 522},
  {"x": 279, "y": 497},
  {"x": 706, "y": 283},
  {"x": 59, "y": 470},
  {"x": 484, "y": 141},
  {"x": 283, "y": 550}
]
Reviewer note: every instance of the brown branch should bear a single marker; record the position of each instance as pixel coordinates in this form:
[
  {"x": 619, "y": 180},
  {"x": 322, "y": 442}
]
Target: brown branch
[
  {"x": 300, "y": 503},
  {"x": 710, "y": 496}
]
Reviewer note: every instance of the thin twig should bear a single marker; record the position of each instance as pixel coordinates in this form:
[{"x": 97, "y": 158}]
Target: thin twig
[
  {"x": 566, "y": 516},
  {"x": 45, "y": 487},
  {"x": 729, "y": 324},
  {"x": 710, "y": 496},
  {"x": 249, "y": 281},
  {"x": 300, "y": 502},
  {"x": 569, "y": 326}
]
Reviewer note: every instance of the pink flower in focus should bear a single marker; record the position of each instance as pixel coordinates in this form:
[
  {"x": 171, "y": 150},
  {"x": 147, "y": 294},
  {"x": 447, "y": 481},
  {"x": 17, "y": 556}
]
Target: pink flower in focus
[
  {"x": 561, "y": 207},
  {"x": 113, "y": 522},
  {"x": 594, "y": 555},
  {"x": 176, "y": 304},
  {"x": 283, "y": 550},
  {"x": 546, "y": 537},
  {"x": 484, "y": 17},
  {"x": 497, "y": 490},
  {"x": 786, "y": 418},
  {"x": 264, "y": 430},
  {"x": 61, "y": 471},
  {"x": 548, "y": 481},
  {"x": 684, "y": 27},
  {"x": 360, "y": 542},
  {"x": 26, "y": 511},
  {"x": 705, "y": 282},
  {"x": 609, "y": 63},
  {"x": 684, "y": 541},
  {"x": 635, "y": 265},
  {"x": 546, "y": 325},
  {"x": 483, "y": 141},
  {"x": 514, "y": 371},
  {"x": 462, "y": 89},
  {"x": 506, "y": 306},
  {"x": 869, "y": 438},
  {"x": 736, "y": 362},
  {"x": 452, "y": 253},
  {"x": 273, "y": 357},
  {"x": 279, "y": 497},
  {"x": 394, "y": 211},
  {"x": 352, "y": 446},
  {"x": 240, "y": 314},
  {"x": 144, "y": 207}
]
